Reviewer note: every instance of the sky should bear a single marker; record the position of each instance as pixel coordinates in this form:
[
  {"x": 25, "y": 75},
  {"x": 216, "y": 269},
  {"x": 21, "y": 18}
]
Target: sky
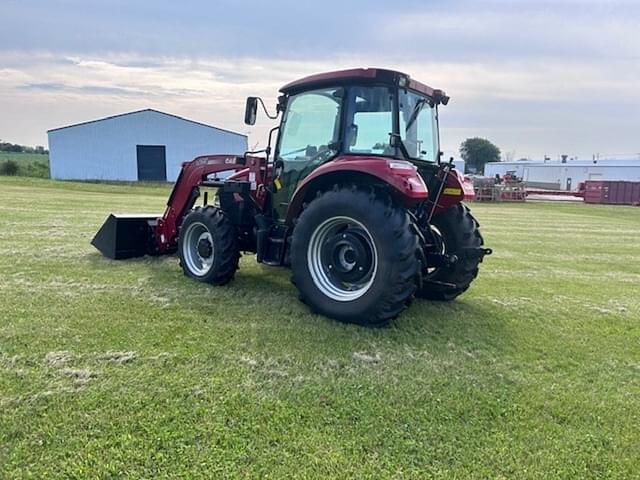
[{"x": 535, "y": 77}]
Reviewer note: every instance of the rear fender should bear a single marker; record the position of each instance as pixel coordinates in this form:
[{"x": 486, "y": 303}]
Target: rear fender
[{"x": 405, "y": 183}]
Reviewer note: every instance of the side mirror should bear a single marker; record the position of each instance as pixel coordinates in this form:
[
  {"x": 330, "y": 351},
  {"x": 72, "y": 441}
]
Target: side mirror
[
  {"x": 282, "y": 104},
  {"x": 251, "y": 110}
]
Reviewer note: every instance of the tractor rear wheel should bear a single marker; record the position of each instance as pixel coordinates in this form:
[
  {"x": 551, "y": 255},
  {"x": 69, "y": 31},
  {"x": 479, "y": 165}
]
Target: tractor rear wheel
[
  {"x": 353, "y": 257},
  {"x": 454, "y": 231},
  {"x": 208, "y": 246}
]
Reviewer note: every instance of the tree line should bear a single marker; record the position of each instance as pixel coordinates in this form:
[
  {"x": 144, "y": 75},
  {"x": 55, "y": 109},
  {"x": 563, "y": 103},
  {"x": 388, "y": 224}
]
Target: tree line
[{"x": 16, "y": 148}]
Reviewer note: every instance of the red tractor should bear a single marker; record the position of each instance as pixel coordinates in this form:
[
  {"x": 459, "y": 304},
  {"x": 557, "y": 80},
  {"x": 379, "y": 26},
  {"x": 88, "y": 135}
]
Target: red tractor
[{"x": 355, "y": 200}]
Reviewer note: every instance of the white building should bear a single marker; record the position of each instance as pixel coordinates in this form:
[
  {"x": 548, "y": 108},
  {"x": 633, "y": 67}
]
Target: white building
[
  {"x": 142, "y": 145},
  {"x": 556, "y": 175}
]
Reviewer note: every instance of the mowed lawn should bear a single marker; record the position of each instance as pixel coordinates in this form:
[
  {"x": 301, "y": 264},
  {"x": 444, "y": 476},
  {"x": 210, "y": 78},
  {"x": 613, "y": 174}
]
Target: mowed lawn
[{"x": 130, "y": 370}]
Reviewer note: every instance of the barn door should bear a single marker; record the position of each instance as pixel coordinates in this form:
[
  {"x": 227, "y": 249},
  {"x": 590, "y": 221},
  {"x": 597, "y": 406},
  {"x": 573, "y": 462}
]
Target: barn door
[{"x": 152, "y": 163}]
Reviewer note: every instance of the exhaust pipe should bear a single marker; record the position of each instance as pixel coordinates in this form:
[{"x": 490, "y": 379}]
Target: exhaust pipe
[{"x": 127, "y": 236}]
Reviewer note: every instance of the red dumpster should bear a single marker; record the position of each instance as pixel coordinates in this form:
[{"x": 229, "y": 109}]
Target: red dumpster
[
  {"x": 594, "y": 191},
  {"x": 612, "y": 192}
]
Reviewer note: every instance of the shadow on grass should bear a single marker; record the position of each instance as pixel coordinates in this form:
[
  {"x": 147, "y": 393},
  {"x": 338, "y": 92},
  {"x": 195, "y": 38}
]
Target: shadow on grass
[
  {"x": 261, "y": 292},
  {"x": 466, "y": 320}
]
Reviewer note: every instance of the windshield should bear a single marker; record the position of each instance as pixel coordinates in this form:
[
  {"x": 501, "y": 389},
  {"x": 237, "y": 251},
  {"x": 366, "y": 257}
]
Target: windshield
[{"x": 418, "y": 126}]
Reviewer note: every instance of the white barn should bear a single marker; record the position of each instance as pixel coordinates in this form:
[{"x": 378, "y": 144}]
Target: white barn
[
  {"x": 142, "y": 145},
  {"x": 556, "y": 175}
]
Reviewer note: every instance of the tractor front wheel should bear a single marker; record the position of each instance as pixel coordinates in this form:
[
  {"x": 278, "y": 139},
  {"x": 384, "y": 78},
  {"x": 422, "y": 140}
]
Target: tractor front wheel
[
  {"x": 208, "y": 246},
  {"x": 353, "y": 257},
  {"x": 453, "y": 231}
]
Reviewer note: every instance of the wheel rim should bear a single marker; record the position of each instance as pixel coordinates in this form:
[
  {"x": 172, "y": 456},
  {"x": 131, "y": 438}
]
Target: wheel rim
[
  {"x": 342, "y": 258},
  {"x": 440, "y": 247},
  {"x": 197, "y": 249}
]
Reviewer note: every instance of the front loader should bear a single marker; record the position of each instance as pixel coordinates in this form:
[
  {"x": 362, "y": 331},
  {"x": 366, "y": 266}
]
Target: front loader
[{"x": 355, "y": 200}]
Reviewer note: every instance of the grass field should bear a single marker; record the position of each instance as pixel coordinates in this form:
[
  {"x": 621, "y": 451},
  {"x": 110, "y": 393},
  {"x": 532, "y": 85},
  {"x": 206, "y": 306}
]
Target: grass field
[
  {"x": 128, "y": 369},
  {"x": 29, "y": 164}
]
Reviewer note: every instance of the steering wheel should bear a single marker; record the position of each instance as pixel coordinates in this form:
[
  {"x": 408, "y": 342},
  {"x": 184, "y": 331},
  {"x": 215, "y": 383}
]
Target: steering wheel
[{"x": 320, "y": 156}]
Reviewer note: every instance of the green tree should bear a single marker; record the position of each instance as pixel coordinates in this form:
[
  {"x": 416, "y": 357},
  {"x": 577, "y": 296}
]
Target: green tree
[
  {"x": 9, "y": 167},
  {"x": 476, "y": 152}
]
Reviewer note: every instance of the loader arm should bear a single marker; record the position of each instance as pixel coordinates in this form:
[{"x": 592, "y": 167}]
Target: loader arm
[
  {"x": 127, "y": 236},
  {"x": 186, "y": 190}
]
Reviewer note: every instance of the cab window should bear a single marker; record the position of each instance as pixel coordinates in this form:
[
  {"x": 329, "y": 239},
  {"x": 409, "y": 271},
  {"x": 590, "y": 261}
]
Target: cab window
[
  {"x": 310, "y": 127},
  {"x": 369, "y": 120}
]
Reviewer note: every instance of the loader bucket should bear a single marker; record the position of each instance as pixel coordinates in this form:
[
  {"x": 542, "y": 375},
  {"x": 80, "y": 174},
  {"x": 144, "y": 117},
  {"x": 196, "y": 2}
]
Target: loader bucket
[{"x": 126, "y": 236}]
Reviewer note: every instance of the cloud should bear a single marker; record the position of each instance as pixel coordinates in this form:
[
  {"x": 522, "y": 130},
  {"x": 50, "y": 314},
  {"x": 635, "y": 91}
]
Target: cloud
[
  {"x": 84, "y": 89},
  {"x": 434, "y": 30},
  {"x": 535, "y": 76},
  {"x": 46, "y": 86}
]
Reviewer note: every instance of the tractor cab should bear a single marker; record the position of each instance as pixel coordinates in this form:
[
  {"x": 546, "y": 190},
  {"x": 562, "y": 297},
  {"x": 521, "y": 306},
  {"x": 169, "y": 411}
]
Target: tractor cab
[{"x": 365, "y": 113}]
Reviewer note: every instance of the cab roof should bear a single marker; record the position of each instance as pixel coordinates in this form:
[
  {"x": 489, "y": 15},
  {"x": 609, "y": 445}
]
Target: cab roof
[{"x": 361, "y": 75}]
